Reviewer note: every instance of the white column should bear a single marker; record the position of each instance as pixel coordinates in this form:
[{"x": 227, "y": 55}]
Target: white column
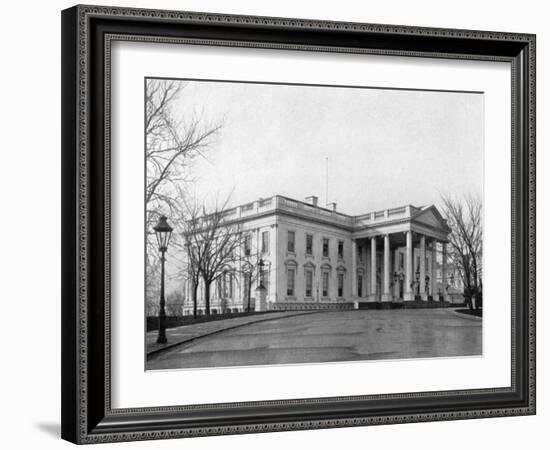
[
  {"x": 408, "y": 294},
  {"x": 395, "y": 270},
  {"x": 367, "y": 272},
  {"x": 373, "y": 267},
  {"x": 423, "y": 293},
  {"x": 433, "y": 275},
  {"x": 353, "y": 268},
  {"x": 364, "y": 250},
  {"x": 333, "y": 284},
  {"x": 387, "y": 297},
  {"x": 273, "y": 248},
  {"x": 444, "y": 270}
]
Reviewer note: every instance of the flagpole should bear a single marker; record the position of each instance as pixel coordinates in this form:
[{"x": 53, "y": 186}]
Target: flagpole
[{"x": 326, "y": 183}]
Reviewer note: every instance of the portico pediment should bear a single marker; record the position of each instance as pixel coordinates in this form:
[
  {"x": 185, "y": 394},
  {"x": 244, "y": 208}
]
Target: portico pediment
[{"x": 431, "y": 217}]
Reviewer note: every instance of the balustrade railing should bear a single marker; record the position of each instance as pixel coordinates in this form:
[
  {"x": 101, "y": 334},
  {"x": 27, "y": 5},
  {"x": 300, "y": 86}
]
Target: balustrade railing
[{"x": 280, "y": 202}]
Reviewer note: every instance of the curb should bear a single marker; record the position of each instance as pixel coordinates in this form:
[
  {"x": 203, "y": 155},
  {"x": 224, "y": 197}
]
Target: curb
[
  {"x": 468, "y": 316},
  {"x": 154, "y": 353}
]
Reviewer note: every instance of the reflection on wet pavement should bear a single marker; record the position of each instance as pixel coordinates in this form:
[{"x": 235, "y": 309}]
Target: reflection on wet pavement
[{"x": 332, "y": 336}]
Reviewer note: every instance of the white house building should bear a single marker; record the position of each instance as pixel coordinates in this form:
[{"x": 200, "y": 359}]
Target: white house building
[{"x": 319, "y": 258}]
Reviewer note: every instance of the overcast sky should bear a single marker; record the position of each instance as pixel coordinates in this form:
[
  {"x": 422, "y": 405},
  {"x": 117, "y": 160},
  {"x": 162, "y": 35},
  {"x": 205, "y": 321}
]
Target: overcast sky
[{"x": 386, "y": 148}]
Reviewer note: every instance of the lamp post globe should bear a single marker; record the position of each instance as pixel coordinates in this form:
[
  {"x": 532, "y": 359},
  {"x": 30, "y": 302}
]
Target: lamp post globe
[{"x": 163, "y": 232}]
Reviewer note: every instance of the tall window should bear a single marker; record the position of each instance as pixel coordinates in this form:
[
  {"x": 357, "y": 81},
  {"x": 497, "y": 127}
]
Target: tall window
[
  {"x": 401, "y": 261},
  {"x": 340, "y": 285},
  {"x": 227, "y": 289},
  {"x": 247, "y": 244},
  {"x": 290, "y": 281},
  {"x": 325, "y": 247},
  {"x": 309, "y": 244},
  {"x": 309, "y": 283},
  {"x": 359, "y": 285},
  {"x": 325, "y": 284},
  {"x": 291, "y": 238},
  {"x": 341, "y": 249},
  {"x": 265, "y": 242},
  {"x": 360, "y": 253}
]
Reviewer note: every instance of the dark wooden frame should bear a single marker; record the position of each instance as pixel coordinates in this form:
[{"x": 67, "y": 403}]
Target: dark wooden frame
[{"x": 87, "y": 416}]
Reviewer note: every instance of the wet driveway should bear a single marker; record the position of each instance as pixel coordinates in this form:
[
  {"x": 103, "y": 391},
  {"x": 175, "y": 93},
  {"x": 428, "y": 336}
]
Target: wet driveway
[{"x": 332, "y": 336}]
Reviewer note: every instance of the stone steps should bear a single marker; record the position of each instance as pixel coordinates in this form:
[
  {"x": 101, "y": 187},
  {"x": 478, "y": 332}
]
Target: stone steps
[{"x": 415, "y": 304}]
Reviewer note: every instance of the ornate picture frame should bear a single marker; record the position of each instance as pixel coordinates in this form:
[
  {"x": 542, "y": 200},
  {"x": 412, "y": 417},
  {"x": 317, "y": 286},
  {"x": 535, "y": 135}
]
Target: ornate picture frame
[{"x": 87, "y": 35}]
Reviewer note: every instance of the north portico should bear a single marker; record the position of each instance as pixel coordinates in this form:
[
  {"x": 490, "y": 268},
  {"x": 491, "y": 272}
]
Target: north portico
[
  {"x": 400, "y": 248},
  {"x": 316, "y": 257}
]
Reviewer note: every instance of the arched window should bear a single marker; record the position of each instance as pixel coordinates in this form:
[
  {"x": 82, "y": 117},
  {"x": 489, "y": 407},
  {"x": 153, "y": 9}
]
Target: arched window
[
  {"x": 227, "y": 280},
  {"x": 340, "y": 284},
  {"x": 290, "y": 267},
  {"x": 326, "y": 270},
  {"x": 309, "y": 272},
  {"x": 340, "y": 274}
]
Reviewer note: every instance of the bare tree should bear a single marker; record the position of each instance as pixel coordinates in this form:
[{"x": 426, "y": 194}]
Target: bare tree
[
  {"x": 172, "y": 142},
  {"x": 248, "y": 268},
  {"x": 189, "y": 218},
  {"x": 250, "y": 275},
  {"x": 251, "y": 267},
  {"x": 152, "y": 307},
  {"x": 174, "y": 303},
  {"x": 464, "y": 217},
  {"x": 211, "y": 243}
]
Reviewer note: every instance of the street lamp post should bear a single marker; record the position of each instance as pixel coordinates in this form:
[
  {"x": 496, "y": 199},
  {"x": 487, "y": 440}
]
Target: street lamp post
[
  {"x": 163, "y": 232},
  {"x": 398, "y": 278},
  {"x": 261, "y": 273},
  {"x": 261, "y": 290},
  {"x": 427, "y": 285}
]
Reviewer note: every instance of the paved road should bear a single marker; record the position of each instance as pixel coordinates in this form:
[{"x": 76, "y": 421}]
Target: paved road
[
  {"x": 332, "y": 336},
  {"x": 184, "y": 333}
]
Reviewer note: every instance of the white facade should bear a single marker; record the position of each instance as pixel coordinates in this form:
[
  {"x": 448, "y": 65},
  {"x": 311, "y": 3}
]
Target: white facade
[{"x": 318, "y": 258}]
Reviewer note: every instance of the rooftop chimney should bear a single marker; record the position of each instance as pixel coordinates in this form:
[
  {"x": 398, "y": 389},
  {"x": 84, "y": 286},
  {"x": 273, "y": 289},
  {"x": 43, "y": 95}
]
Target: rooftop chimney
[
  {"x": 331, "y": 206},
  {"x": 312, "y": 200}
]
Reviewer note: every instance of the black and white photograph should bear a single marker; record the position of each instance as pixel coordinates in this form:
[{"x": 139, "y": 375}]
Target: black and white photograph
[
  {"x": 300, "y": 224},
  {"x": 275, "y": 225}
]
